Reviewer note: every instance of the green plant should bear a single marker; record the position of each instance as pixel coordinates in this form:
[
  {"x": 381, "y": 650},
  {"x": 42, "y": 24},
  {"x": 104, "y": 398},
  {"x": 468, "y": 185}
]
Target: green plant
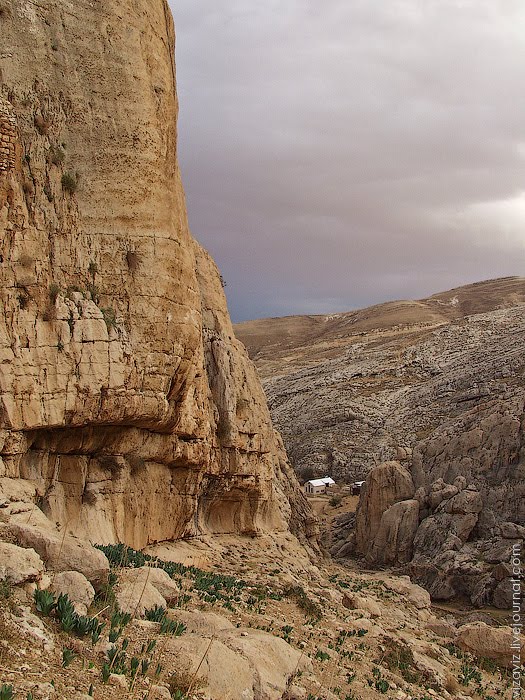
[
  {"x": 155, "y": 614},
  {"x": 110, "y": 317},
  {"x": 6, "y": 589},
  {"x": 469, "y": 673},
  {"x": 6, "y": 692},
  {"x": 69, "y": 183},
  {"x": 335, "y": 501},
  {"x": 67, "y": 656},
  {"x": 56, "y": 155},
  {"x": 44, "y": 601},
  {"x": 322, "y": 655}
]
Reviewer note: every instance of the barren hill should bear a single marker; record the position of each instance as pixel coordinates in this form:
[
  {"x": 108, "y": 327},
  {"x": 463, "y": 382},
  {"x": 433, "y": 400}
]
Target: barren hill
[{"x": 352, "y": 389}]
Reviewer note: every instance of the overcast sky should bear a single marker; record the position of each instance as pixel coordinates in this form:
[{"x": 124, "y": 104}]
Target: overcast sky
[{"x": 342, "y": 153}]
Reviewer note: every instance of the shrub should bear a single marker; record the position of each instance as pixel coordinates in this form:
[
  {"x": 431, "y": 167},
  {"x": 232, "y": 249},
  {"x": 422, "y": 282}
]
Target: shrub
[
  {"x": 56, "y": 155},
  {"x": 335, "y": 501},
  {"x": 53, "y": 292},
  {"x": 110, "y": 317},
  {"x": 69, "y": 183}
]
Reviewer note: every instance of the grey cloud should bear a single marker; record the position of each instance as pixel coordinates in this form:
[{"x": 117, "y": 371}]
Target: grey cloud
[{"x": 342, "y": 153}]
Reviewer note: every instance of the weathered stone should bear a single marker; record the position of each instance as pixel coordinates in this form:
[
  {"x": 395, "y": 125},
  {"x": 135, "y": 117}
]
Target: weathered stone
[
  {"x": 77, "y": 587},
  {"x": 490, "y": 642},
  {"x": 386, "y": 484},
  {"x": 393, "y": 543},
  {"x": 19, "y": 565},
  {"x": 64, "y": 553}
]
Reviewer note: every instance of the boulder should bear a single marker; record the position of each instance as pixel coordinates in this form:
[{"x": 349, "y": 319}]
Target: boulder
[
  {"x": 77, "y": 587},
  {"x": 154, "y": 576},
  {"x": 386, "y": 484},
  {"x": 465, "y": 502},
  {"x": 352, "y": 601},
  {"x": 63, "y": 552},
  {"x": 495, "y": 643},
  {"x": 223, "y": 672},
  {"x": 19, "y": 565},
  {"x": 418, "y": 596},
  {"x": 393, "y": 542},
  {"x": 135, "y": 593}
]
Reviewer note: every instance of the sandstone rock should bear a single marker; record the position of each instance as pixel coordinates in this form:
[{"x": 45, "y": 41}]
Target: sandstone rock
[
  {"x": 150, "y": 575},
  {"x": 225, "y": 673},
  {"x": 441, "y": 628},
  {"x": 386, "y": 484},
  {"x": 358, "y": 602},
  {"x": 126, "y": 399},
  {"x": 273, "y": 662},
  {"x": 136, "y": 595},
  {"x": 490, "y": 642},
  {"x": 18, "y": 565},
  {"x": 77, "y": 587},
  {"x": 204, "y": 623},
  {"x": 465, "y": 502},
  {"x": 64, "y": 553},
  {"x": 415, "y": 594},
  {"x": 394, "y": 539}
]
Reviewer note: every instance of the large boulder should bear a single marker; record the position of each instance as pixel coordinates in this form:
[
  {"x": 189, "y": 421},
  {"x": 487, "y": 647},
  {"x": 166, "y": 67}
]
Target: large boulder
[
  {"x": 19, "y": 565},
  {"x": 62, "y": 552},
  {"x": 393, "y": 542},
  {"x": 385, "y": 485},
  {"x": 498, "y": 643},
  {"x": 76, "y": 586}
]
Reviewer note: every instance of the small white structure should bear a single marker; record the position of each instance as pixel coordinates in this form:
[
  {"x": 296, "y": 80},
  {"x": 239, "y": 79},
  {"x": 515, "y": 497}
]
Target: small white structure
[{"x": 319, "y": 485}]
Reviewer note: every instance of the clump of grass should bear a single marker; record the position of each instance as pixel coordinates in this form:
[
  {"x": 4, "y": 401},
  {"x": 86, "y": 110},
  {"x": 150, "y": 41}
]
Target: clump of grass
[
  {"x": 56, "y": 155},
  {"x": 53, "y": 292},
  {"x": 306, "y": 604},
  {"x": 69, "y": 183},
  {"x": 110, "y": 317}
]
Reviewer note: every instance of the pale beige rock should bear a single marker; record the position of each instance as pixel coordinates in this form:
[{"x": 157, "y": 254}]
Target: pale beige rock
[
  {"x": 126, "y": 400},
  {"x": 158, "y": 578},
  {"x": 359, "y": 602},
  {"x": 204, "y": 623},
  {"x": 490, "y": 642},
  {"x": 386, "y": 484},
  {"x": 417, "y": 595},
  {"x": 19, "y": 565},
  {"x": 273, "y": 661},
  {"x": 77, "y": 587},
  {"x": 135, "y": 596},
  {"x": 225, "y": 673},
  {"x": 64, "y": 553}
]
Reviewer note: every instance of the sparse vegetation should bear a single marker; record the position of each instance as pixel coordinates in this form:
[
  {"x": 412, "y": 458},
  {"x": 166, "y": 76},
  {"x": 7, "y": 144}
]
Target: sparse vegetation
[
  {"x": 110, "y": 317},
  {"x": 56, "y": 155},
  {"x": 69, "y": 183}
]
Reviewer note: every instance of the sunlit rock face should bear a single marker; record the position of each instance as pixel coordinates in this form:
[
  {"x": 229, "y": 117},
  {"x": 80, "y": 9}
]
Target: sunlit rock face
[{"x": 125, "y": 397}]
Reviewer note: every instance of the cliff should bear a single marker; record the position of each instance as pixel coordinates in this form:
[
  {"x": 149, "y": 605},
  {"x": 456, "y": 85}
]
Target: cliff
[{"x": 127, "y": 405}]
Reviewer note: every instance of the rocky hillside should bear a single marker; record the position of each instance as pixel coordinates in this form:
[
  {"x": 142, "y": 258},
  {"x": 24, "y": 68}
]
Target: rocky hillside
[
  {"x": 349, "y": 391},
  {"x": 128, "y": 410},
  {"x": 442, "y": 392}
]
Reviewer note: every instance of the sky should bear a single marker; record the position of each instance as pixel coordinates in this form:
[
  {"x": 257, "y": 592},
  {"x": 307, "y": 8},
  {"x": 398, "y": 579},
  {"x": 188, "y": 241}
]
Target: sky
[{"x": 343, "y": 153}]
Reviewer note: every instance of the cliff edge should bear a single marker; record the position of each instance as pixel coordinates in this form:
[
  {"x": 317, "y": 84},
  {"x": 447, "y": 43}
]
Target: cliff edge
[{"x": 127, "y": 406}]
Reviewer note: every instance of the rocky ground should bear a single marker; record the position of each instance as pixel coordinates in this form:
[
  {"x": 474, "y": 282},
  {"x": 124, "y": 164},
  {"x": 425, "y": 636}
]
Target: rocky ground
[{"x": 259, "y": 621}]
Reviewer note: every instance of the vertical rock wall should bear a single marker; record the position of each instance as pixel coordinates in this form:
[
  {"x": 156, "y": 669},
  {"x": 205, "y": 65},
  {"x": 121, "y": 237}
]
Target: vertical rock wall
[{"x": 124, "y": 396}]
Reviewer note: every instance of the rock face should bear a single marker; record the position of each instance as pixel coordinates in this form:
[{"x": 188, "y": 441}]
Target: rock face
[{"x": 125, "y": 396}]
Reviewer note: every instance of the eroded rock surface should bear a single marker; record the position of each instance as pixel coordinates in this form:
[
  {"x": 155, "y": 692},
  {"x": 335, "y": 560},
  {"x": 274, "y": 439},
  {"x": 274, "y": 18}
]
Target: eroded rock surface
[{"x": 125, "y": 397}]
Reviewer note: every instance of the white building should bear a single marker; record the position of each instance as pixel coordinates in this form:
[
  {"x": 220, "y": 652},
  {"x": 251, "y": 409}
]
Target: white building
[{"x": 319, "y": 485}]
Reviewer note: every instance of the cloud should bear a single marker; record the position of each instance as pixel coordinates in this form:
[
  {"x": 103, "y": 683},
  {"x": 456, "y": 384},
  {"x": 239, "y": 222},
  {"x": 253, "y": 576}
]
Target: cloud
[{"x": 339, "y": 154}]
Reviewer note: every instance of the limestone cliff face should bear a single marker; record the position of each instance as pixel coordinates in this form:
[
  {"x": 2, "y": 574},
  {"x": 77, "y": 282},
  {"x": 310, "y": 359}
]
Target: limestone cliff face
[{"x": 124, "y": 395}]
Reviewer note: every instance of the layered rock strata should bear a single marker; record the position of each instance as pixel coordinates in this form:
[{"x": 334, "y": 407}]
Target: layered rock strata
[{"x": 125, "y": 398}]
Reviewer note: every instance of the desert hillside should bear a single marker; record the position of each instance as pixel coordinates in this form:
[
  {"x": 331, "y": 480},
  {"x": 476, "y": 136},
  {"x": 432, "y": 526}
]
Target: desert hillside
[
  {"x": 350, "y": 390},
  {"x": 426, "y": 401}
]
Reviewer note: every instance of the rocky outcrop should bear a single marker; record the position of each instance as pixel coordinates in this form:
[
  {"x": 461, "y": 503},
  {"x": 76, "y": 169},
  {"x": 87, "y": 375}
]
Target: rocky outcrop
[
  {"x": 459, "y": 534},
  {"x": 125, "y": 397}
]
